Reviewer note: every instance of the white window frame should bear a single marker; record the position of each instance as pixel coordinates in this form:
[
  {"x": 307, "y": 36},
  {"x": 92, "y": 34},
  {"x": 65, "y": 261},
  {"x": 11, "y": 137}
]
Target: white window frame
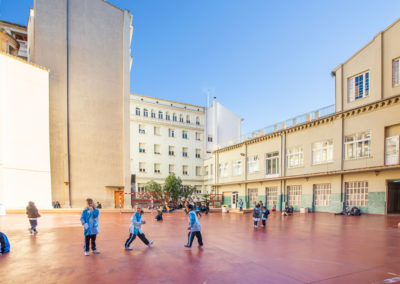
[
  {"x": 137, "y": 111},
  {"x": 355, "y": 144},
  {"x": 142, "y": 167},
  {"x": 142, "y": 130},
  {"x": 294, "y": 195},
  {"x": 145, "y": 112},
  {"x": 156, "y": 130},
  {"x": 392, "y": 150},
  {"x": 171, "y": 150},
  {"x": 352, "y": 89},
  {"x": 157, "y": 168},
  {"x": 271, "y": 159},
  {"x": 253, "y": 196},
  {"x": 396, "y": 72},
  {"x": 185, "y": 134},
  {"x": 223, "y": 170},
  {"x": 157, "y": 148},
  {"x": 322, "y": 152},
  {"x": 236, "y": 168},
  {"x": 271, "y": 193},
  {"x": 185, "y": 170},
  {"x": 295, "y": 157},
  {"x": 356, "y": 193},
  {"x": 322, "y": 194},
  {"x": 171, "y": 132},
  {"x": 142, "y": 148},
  {"x": 198, "y": 171},
  {"x": 171, "y": 168},
  {"x": 185, "y": 152},
  {"x": 253, "y": 164}
]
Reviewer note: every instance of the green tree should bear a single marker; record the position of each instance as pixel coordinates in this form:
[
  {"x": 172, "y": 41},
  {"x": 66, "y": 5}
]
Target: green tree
[
  {"x": 173, "y": 187},
  {"x": 206, "y": 197},
  {"x": 154, "y": 188},
  {"x": 187, "y": 192}
]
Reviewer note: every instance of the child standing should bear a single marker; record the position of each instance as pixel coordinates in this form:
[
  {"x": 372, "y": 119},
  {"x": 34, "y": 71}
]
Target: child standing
[
  {"x": 33, "y": 214},
  {"x": 256, "y": 215},
  {"x": 4, "y": 244},
  {"x": 90, "y": 221},
  {"x": 241, "y": 205},
  {"x": 135, "y": 230},
  {"x": 264, "y": 216},
  {"x": 194, "y": 228}
]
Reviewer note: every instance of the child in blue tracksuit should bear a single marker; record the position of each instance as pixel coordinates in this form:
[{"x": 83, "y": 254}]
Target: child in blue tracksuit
[
  {"x": 264, "y": 215},
  {"x": 4, "y": 244},
  {"x": 135, "y": 230},
  {"x": 194, "y": 227},
  {"x": 90, "y": 221},
  {"x": 256, "y": 215}
]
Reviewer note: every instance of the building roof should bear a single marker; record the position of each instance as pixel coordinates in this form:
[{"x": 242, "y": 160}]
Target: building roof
[
  {"x": 176, "y": 102},
  {"x": 2, "y": 22}
]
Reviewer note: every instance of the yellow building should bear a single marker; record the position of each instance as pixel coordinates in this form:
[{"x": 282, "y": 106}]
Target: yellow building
[{"x": 344, "y": 155}]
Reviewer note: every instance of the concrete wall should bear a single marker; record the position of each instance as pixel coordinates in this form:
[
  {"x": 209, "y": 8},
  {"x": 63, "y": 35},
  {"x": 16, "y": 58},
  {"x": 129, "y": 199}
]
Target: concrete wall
[
  {"x": 86, "y": 46},
  {"x": 24, "y": 134}
]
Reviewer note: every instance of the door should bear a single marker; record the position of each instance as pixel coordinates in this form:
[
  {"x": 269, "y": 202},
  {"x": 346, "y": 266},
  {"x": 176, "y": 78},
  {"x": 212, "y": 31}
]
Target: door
[
  {"x": 234, "y": 199},
  {"x": 119, "y": 199},
  {"x": 393, "y": 206}
]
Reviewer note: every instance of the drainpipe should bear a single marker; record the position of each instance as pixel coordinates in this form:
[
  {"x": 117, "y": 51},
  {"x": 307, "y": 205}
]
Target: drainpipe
[
  {"x": 342, "y": 137},
  {"x": 67, "y": 85},
  {"x": 246, "y": 193}
]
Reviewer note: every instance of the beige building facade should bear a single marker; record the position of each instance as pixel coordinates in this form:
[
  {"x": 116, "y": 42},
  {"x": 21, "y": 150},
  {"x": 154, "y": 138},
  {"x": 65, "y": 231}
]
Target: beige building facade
[
  {"x": 347, "y": 155},
  {"x": 86, "y": 47}
]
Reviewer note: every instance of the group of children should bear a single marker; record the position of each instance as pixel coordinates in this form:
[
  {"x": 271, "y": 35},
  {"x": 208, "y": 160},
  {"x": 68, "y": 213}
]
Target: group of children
[{"x": 260, "y": 212}]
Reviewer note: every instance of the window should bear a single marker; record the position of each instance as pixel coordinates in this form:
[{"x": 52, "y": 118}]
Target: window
[
  {"x": 396, "y": 72},
  {"x": 211, "y": 169},
  {"x": 142, "y": 167},
  {"x": 358, "y": 87},
  {"x": 198, "y": 153},
  {"x": 198, "y": 171},
  {"x": 157, "y": 168},
  {"x": 185, "y": 170},
  {"x": 171, "y": 132},
  {"x": 171, "y": 169},
  {"x": 153, "y": 114},
  {"x": 141, "y": 187},
  {"x": 137, "y": 111},
  {"x": 295, "y": 157},
  {"x": 252, "y": 164},
  {"x": 180, "y": 118},
  {"x": 356, "y": 193},
  {"x": 294, "y": 194},
  {"x": 141, "y": 129},
  {"x": 209, "y": 138},
  {"x": 272, "y": 163},
  {"x": 253, "y": 196},
  {"x": 236, "y": 168},
  {"x": 160, "y": 114},
  {"x": 171, "y": 151},
  {"x": 145, "y": 112},
  {"x": 322, "y": 194},
  {"x": 223, "y": 170},
  {"x": 357, "y": 145},
  {"x": 184, "y": 152},
  {"x": 197, "y": 136},
  {"x": 272, "y": 195},
  {"x": 156, "y": 130},
  {"x": 167, "y": 116},
  {"x": 174, "y": 117},
  {"x": 197, "y": 120},
  {"x": 392, "y": 150},
  {"x": 142, "y": 148},
  {"x": 187, "y": 119},
  {"x": 198, "y": 189},
  {"x": 206, "y": 170},
  {"x": 184, "y": 135},
  {"x": 157, "y": 149},
  {"x": 322, "y": 152}
]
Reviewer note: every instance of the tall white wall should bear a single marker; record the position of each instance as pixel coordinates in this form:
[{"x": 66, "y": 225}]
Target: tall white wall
[{"x": 24, "y": 134}]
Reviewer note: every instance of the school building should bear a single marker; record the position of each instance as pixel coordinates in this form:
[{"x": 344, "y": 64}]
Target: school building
[{"x": 346, "y": 154}]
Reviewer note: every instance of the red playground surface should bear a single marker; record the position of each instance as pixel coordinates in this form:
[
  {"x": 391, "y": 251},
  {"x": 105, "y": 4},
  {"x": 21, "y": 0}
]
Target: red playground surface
[{"x": 304, "y": 248}]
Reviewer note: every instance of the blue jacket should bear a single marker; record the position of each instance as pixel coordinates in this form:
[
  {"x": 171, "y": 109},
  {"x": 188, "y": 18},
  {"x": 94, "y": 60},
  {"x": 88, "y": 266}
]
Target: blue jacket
[
  {"x": 136, "y": 224},
  {"x": 4, "y": 243},
  {"x": 194, "y": 222},
  {"x": 241, "y": 204},
  {"x": 91, "y": 218}
]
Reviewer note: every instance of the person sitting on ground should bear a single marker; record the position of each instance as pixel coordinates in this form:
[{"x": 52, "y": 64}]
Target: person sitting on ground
[
  {"x": 159, "y": 214},
  {"x": 98, "y": 206},
  {"x": 286, "y": 211},
  {"x": 355, "y": 211},
  {"x": 273, "y": 208},
  {"x": 346, "y": 211},
  {"x": 4, "y": 244},
  {"x": 291, "y": 209}
]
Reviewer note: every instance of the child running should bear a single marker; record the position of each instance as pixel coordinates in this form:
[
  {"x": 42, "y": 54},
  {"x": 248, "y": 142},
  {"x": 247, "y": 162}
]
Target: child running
[
  {"x": 256, "y": 215},
  {"x": 264, "y": 215},
  {"x": 4, "y": 244},
  {"x": 135, "y": 229},
  {"x": 90, "y": 221},
  {"x": 33, "y": 214},
  {"x": 194, "y": 228}
]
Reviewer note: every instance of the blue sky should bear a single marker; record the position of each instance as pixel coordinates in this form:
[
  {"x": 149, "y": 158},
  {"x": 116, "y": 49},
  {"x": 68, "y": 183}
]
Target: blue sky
[{"x": 265, "y": 60}]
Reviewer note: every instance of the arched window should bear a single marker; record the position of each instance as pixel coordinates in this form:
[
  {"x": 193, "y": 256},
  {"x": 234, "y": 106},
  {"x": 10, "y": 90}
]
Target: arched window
[
  {"x": 167, "y": 116},
  {"x": 180, "y": 118},
  {"x": 174, "y": 117},
  {"x": 197, "y": 120},
  {"x": 145, "y": 112},
  {"x": 137, "y": 111},
  {"x": 153, "y": 114},
  {"x": 187, "y": 119},
  {"x": 160, "y": 114}
]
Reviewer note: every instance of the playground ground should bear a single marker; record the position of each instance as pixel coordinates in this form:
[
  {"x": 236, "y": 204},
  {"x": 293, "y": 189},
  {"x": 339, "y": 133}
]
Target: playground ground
[{"x": 304, "y": 248}]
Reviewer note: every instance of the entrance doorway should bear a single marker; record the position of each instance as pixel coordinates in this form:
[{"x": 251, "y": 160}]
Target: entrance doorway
[
  {"x": 235, "y": 196},
  {"x": 119, "y": 194},
  {"x": 393, "y": 206}
]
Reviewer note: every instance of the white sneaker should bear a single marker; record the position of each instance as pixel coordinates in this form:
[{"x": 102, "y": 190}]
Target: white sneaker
[
  {"x": 96, "y": 251},
  {"x": 87, "y": 253},
  {"x": 150, "y": 243},
  {"x": 128, "y": 248},
  {"x": 30, "y": 231}
]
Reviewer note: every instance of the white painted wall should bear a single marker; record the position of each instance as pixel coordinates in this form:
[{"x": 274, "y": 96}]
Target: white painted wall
[{"x": 24, "y": 134}]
